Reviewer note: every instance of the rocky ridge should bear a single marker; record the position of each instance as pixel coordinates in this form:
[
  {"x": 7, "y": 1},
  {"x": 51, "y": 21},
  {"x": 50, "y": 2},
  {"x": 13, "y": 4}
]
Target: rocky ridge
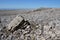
[{"x": 45, "y": 25}]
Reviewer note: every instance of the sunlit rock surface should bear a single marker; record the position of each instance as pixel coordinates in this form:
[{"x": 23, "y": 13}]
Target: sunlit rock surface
[{"x": 45, "y": 24}]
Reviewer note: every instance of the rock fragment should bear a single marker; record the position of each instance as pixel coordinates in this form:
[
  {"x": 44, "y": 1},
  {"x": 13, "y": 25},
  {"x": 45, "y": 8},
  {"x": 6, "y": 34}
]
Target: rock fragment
[{"x": 17, "y": 23}]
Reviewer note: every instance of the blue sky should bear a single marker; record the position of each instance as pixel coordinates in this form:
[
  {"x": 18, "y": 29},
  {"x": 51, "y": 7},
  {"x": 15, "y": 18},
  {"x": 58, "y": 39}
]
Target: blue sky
[{"x": 17, "y": 4}]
